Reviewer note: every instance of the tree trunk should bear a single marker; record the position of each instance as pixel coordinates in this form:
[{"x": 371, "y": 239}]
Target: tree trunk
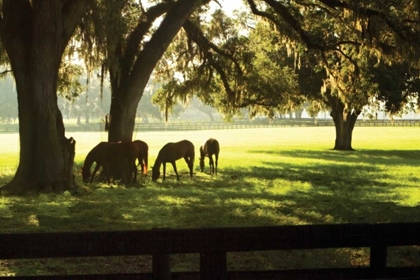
[
  {"x": 210, "y": 116},
  {"x": 128, "y": 90},
  {"x": 298, "y": 114},
  {"x": 35, "y": 34},
  {"x": 344, "y": 121}
]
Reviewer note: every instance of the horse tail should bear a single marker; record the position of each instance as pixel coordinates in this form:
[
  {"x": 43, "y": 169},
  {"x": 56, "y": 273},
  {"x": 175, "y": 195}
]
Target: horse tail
[
  {"x": 217, "y": 147},
  {"x": 145, "y": 158},
  {"x": 192, "y": 156}
]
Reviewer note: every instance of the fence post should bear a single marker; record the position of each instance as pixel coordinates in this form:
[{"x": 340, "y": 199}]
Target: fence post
[
  {"x": 161, "y": 261},
  {"x": 213, "y": 266},
  {"x": 378, "y": 260},
  {"x": 161, "y": 264}
]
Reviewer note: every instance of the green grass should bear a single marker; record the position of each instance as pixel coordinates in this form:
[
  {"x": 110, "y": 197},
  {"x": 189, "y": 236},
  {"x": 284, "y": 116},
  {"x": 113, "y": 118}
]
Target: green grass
[{"x": 282, "y": 176}]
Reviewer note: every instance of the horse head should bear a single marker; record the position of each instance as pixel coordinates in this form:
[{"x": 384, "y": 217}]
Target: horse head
[
  {"x": 86, "y": 175},
  {"x": 155, "y": 172},
  {"x": 201, "y": 158}
]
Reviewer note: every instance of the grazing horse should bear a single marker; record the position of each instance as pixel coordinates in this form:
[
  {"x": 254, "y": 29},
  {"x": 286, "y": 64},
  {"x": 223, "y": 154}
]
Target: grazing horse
[
  {"x": 143, "y": 155},
  {"x": 109, "y": 155},
  {"x": 172, "y": 152},
  {"x": 211, "y": 147},
  {"x": 97, "y": 154}
]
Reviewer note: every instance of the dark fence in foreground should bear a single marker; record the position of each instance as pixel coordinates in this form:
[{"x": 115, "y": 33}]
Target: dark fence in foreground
[{"x": 212, "y": 244}]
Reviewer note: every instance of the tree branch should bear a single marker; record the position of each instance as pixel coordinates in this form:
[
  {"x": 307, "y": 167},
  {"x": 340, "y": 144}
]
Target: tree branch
[
  {"x": 138, "y": 33},
  {"x": 198, "y": 37},
  {"x": 73, "y": 11},
  {"x": 154, "y": 49}
]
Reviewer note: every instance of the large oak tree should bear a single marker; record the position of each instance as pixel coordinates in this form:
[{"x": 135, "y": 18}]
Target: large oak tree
[
  {"x": 343, "y": 33},
  {"x": 35, "y": 34}
]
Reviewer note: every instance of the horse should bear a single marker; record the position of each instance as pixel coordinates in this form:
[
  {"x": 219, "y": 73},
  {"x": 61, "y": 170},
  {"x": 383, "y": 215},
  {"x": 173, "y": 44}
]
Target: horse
[
  {"x": 109, "y": 155},
  {"x": 97, "y": 154},
  {"x": 172, "y": 152},
  {"x": 143, "y": 155},
  {"x": 211, "y": 147}
]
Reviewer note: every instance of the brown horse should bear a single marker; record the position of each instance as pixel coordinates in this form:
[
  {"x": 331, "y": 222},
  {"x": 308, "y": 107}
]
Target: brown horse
[
  {"x": 211, "y": 147},
  {"x": 111, "y": 156},
  {"x": 97, "y": 154},
  {"x": 143, "y": 155},
  {"x": 171, "y": 152}
]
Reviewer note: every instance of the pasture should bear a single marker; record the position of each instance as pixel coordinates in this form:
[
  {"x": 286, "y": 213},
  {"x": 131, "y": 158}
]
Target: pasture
[{"x": 281, "y": 176}]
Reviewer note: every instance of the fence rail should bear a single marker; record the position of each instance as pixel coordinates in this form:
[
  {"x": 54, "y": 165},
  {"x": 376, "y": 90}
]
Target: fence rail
[
  {"x": 265, "y": 124},
  {"x": 213, "y": 243},
  {"x": 238, "y": 124}
]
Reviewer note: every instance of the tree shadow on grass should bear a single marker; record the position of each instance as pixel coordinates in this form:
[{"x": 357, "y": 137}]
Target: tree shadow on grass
[
  {"x": 389, "y": 157},
  {"x": 344, "y": 187}
]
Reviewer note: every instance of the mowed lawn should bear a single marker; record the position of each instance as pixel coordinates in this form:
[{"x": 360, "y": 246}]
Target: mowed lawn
[{"x": 267, "y": 176}]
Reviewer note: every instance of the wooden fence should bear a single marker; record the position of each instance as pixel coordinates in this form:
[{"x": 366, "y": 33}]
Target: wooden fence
[
  {"x": 213, "y": 243},
  {"x": 237, "y": 124},
  {"x": 265, "y": 124}
]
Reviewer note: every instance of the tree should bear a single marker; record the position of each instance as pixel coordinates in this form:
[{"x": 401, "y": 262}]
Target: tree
[
  {"x": 344, "y": 35},
  {"x": 132, "y": 49},
  {"x": 35, "y": 34}
]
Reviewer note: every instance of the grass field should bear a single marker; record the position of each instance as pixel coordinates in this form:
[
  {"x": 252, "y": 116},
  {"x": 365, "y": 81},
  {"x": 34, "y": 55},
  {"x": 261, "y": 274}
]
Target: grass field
[{"x": 282, "y": 176}]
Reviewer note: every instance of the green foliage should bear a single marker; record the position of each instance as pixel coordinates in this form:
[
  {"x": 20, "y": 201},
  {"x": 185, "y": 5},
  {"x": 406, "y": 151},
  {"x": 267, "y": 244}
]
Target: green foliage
[
  {"x": 69, "y": 85},
  {"x": 232, "y": 70},
  {"x": 399, "y": 86},
  {"x": 346, "y": 38}
]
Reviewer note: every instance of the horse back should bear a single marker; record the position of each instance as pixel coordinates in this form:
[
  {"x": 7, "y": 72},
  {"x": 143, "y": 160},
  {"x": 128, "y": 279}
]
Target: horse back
[
  {"x": 144, "y": 148},
  {"x": 174, "y": 151},
  {"x": 211, "y": 147},
  {"x": 98, "y": 152}
]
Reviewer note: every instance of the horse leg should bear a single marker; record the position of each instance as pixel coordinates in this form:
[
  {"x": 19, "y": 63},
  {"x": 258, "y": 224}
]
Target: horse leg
[
  {"x": 217, "y": 159},
  {"x": 176, "y": 171},
  {"x": 211, "y": 163},
  {"x": 145, "y": 161},
  {"x": 133, "y": 170},
  {"x": 94, "y": 172},
  {"x": 142, "y": 167},
  {"x": 189, "y": 162},
  {"x": 164, "y": 171},
  {"x": 108, "y": 178}
]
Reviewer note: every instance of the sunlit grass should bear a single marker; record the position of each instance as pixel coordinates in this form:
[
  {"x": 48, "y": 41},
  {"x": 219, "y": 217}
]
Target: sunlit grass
[{"x": 282, "y": 176}]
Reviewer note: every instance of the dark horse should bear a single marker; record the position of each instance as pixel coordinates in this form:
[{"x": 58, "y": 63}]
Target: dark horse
[
  {"x": 171, "y": 152},
  {"x": 211, "y": 147},
  {"x": 97, "y": 154},
  {"x": 109, "y": 156},
  {"x": 143, "y": 155}
]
